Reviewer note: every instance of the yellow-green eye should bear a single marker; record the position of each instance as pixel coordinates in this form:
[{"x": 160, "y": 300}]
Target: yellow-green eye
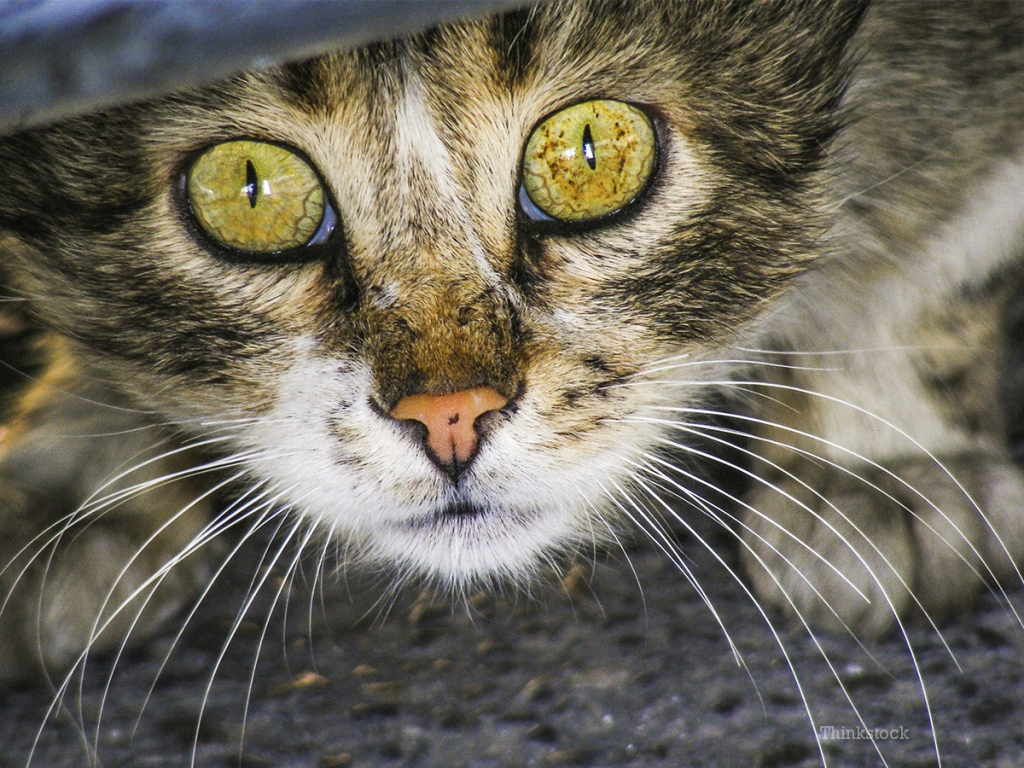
[
  {"x": 256, "y": 197},
  {"x": 588, "y": 160}
]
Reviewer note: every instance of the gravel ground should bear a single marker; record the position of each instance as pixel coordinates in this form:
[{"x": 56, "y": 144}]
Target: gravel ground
[{"x": 619, "y": 663}]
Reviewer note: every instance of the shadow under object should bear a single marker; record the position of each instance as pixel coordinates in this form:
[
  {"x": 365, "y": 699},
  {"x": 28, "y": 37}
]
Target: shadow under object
[{"x": 65, "y": 57}]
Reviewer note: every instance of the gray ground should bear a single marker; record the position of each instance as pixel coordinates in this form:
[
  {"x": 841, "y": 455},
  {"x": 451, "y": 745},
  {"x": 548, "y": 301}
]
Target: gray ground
[{"x": 594, "y": 672}]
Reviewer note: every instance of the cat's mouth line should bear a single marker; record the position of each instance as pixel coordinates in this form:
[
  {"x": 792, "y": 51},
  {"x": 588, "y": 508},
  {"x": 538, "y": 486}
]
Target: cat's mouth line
[
  {"x": 454, "y": 513},
  {"x": 460, "y": 508},
  {"x": 457, "y": 512}
]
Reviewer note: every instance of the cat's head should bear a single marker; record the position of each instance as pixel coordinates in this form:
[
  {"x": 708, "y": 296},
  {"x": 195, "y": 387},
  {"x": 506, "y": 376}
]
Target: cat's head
[{"x": 542, "y": 223}]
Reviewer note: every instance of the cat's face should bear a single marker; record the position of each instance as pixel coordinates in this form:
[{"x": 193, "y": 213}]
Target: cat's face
[{"x": 425, "y": 267}]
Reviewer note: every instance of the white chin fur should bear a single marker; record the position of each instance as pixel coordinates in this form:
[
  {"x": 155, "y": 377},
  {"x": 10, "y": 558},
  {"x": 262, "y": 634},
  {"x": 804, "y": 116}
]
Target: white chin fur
[{"x": 371, "y": 487}]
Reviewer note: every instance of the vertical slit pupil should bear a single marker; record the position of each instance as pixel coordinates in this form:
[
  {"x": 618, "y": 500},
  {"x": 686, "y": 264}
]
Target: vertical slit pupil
[
  {"x": 251, "y": 183},
  {"x": 588, "y": 147}
]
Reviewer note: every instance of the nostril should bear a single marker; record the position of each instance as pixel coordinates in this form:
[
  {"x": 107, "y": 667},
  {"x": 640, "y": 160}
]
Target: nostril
[{"x": 450, "y": 421}]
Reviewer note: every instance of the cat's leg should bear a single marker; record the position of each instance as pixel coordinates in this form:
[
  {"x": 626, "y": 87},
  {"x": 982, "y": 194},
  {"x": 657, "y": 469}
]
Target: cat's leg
[
  {"x": 886, "y": 486},
  {"x": 95, "y": 502}
]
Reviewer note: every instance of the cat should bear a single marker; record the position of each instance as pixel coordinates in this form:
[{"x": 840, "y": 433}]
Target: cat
[{"x": 461, "y": 303}]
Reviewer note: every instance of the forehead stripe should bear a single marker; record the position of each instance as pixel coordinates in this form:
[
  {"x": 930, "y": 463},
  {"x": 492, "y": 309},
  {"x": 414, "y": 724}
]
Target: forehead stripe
[{"x": 418, "y": 144}]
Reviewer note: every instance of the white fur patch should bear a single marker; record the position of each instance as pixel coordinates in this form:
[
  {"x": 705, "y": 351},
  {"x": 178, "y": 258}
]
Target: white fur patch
[
  {"x": 375, "y": 490},
  {"x": 417, "y": 136}
]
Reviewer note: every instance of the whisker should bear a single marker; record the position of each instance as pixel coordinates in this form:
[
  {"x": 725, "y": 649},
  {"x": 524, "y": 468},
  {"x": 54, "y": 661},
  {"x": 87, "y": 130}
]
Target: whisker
[
  {"x": 903, "y": 434},
  {"x": 237, "y": 511},
  {"x": 640, "y": 377},
  {"x": 147, "y": 588},
  {"x": 78, "y": 510},
  {"x": 867, "y": 566},
  {"x": 285, "y": 584},
  {"x": 716, "y": 510},
  {"x": 77, "y": 668},
  {"x": 629, "y": 560},
  {"x": 673, "y": 556},
  {"x": 176, "y": 451},
  {"x": 266, "y": 567},
  {"x": 703, "y": 429},
  {"x": 48, "y": 539},
  {"x": 664, "y": 543},
  {"x": 846, "y": 542}
]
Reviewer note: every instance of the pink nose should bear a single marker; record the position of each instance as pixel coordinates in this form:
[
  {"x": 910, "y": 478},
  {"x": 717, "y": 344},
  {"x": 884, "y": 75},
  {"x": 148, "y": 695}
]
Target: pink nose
[{"x": 450, "y": 420}]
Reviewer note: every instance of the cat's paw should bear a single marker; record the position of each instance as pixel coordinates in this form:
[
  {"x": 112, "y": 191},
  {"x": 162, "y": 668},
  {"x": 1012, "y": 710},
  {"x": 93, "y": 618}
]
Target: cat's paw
[
  {"x": 66, "y": 591},
  {"x": 855, "y": 548}
]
